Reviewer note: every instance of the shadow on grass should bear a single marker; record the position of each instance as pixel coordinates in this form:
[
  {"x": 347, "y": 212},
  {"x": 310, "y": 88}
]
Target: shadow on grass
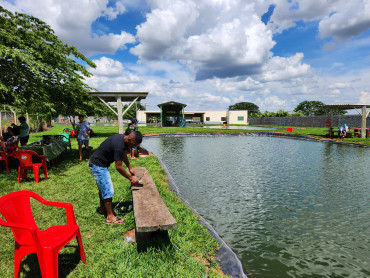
[
  {"x": 158, "y": 240},
  {"x": 66, "y": 263},
  {"x": 123, "y": 207}
]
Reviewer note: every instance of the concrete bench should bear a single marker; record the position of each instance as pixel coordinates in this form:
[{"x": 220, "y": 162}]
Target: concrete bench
[{"x": 151, "y": 213}]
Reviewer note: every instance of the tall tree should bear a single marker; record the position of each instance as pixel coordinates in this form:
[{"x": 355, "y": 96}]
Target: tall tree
[
  {"x": 251, "y": 107},
  {"x": 314, "y": 108},
  {"x": 37, "y": 69},
  {"x": 131, "y": 113}
]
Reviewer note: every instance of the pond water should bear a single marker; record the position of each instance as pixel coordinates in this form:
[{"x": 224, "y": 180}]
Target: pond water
[{"x": 287, "y": 207}]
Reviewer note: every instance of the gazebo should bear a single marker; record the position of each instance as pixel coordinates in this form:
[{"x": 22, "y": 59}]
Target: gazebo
[
  {"x": 174, "y": 110},
  {"x": 119, "y": 97},
  {"x": 364, "y": 113}
]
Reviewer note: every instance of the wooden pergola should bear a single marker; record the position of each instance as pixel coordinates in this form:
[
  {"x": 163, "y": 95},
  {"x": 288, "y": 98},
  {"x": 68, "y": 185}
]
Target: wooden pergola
[
  {"x": 363, "y": 113},
  {"x": 119, "y": 97}
]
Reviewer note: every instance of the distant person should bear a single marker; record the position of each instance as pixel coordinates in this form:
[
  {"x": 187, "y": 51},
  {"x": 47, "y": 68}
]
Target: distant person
[
  {"x": 132, "y": 127},
  {"x": 6, "y": 135},
  {"x": 83, "y": 135},
  {"x": 13, "y": 139},
  {"x": 113, "y": 149},
  {"x": 24, "y": 130},
  {"x": 342, "y": 131}
]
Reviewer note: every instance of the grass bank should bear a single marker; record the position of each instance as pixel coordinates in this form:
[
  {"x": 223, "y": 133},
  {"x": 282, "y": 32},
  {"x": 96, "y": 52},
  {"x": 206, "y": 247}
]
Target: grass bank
[
  {"x": 320, "y": 133},
  {"x": 190, "y": 253}
]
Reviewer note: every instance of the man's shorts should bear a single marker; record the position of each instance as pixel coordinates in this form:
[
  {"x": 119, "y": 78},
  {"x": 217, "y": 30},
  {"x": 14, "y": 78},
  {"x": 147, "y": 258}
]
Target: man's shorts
[
  {"x": 24, "y": 140},
  {"x": 103, "y": 180},
  {"x": 83, "y": 142}
]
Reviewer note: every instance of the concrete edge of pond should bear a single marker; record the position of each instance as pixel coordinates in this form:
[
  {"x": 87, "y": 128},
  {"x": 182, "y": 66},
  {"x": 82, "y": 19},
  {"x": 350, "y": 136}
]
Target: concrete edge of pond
[
  {"x": 225, "y": 256},
  {"x": 266, "y": 134}
]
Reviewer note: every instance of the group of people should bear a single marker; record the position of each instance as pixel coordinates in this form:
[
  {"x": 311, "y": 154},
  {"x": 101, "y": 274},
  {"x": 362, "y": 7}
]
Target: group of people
[{"x": 17, "y": 133}]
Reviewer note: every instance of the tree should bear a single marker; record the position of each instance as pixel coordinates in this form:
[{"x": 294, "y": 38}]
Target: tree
[
  {"x": 314, "y": 108},
  {"x": 37, "y": 69},
  {"x": 131, "y": 113},
  {"x": 282, "y": 113},
  {"x": 268, "y": 114},
  {"x": 251, "y": 107}
]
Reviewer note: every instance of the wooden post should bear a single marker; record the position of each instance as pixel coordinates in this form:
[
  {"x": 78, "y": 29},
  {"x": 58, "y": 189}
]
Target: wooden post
[
  {"x": 120, "y": 119},
  {"x": 331, "y": 117},
  {"x": 363, "y": 127},
  {"x": 15, "y": 115}
]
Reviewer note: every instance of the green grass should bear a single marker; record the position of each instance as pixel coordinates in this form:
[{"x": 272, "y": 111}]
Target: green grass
[{"x": 106, "y": 252}]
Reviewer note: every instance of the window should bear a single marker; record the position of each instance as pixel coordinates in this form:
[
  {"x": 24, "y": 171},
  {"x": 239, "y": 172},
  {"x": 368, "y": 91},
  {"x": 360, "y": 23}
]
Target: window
[
  {"x": 240, "y": 118},
  {"x": 208, "y": 119},
  {"x": 223, "y": 119}
]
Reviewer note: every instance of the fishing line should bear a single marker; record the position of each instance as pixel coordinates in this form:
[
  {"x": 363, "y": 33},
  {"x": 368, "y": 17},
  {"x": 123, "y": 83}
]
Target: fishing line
[{"x": 152, "y": 164}]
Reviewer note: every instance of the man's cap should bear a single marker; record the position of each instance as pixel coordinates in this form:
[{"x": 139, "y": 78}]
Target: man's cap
[{"x": 133, "y": 120}]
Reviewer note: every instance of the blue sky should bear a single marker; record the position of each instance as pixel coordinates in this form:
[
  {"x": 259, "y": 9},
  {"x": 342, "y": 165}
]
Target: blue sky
[{"x": 211, "y": 54}]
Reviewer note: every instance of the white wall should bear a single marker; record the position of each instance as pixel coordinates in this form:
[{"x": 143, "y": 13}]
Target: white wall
[
  {"x": 141, "y": 115},
  {"x": 238, "y": 117},
  {"x": 214, "y": 116}
]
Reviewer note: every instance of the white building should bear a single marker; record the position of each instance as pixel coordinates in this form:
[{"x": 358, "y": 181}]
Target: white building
[{"x": 210, "y": 117}]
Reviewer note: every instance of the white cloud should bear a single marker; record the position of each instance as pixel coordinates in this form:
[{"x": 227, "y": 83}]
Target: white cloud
[
  {"x": 223, "y": 38},
  {"x": 71, "y": 20},
  {"x": 286, "y": 13},
  {"x": 339, "y": 19},
  {"x": 347, "y": 21},
  {"x": 339, "y": 86},
  {"x": 280, "y": 69},
  {"x": 163, "y": 29},
  {"x": 107, "y": 67},
  {"x": 364, "y": 97}
]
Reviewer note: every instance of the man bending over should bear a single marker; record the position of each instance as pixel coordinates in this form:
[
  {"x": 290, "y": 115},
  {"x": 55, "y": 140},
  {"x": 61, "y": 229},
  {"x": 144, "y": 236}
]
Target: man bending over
[{"x": 113, "y": 149}]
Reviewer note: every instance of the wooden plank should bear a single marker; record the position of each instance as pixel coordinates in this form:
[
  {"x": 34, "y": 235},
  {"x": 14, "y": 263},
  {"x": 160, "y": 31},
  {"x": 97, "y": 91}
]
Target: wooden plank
[{"x": 151, "y": 213}]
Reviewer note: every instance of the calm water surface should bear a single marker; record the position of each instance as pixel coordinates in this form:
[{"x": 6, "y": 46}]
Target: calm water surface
[{"x": 288, "y": 208}]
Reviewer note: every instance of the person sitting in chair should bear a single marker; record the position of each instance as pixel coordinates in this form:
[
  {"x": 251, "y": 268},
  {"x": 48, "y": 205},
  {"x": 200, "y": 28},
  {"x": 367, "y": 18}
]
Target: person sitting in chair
[{"x": 342, "y": 131}]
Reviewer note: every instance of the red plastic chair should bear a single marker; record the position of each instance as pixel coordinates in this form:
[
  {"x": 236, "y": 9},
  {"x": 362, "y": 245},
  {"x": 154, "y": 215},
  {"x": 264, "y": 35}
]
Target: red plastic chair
[
  {"x": 8, "y": 149},
  {"x": 16, "y": 209},
  {"x": 70, "y": 131},
  {"x": 4, "y": 157},
  {"x": 25, "y": 163}
]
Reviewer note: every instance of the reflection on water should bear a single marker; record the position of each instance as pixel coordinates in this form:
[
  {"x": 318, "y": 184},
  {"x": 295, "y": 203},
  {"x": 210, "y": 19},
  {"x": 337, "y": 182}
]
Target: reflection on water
[{"x": 288, "y": 208}]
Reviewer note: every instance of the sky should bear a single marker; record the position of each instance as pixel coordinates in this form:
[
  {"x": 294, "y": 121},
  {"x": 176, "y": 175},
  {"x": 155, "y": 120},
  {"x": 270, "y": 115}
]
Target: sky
[{"x": 210, "y": 54}]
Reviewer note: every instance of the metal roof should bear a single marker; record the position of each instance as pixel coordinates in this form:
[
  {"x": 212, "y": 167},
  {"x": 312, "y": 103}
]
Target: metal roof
[
  {"x": 125, "y": 96},
  {"x": 345, "y": 106},
  {"x": 171, "y": 105}
]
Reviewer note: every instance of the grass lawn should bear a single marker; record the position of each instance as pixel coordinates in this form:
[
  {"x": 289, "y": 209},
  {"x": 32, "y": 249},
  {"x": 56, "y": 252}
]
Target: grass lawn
[{"x": 190, "y": 253}]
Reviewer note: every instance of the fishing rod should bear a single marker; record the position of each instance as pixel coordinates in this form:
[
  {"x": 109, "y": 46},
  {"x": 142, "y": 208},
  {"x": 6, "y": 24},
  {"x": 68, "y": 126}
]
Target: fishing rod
[{"x": 152, "y": 164}]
